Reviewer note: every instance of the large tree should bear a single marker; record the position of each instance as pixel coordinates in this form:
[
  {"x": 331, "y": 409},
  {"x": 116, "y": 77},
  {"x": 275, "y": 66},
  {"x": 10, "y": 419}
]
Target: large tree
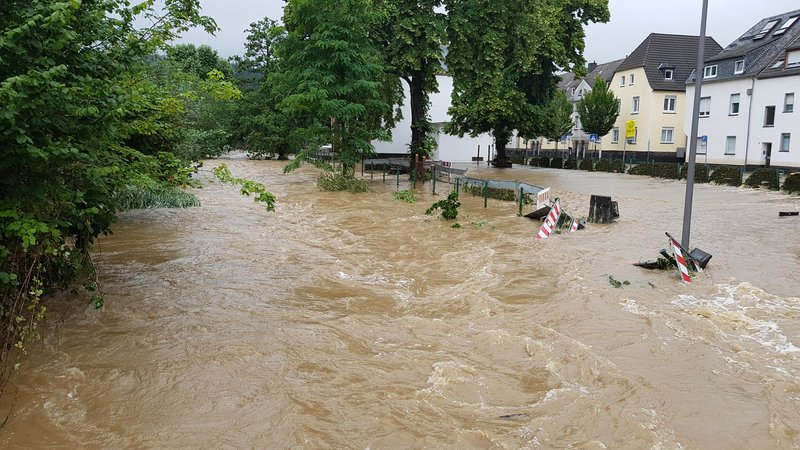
[
  {"x": 413, "y": 37},
  {"x": 503, "y": 57},
  {"x": 598, "y": 109},
  {"x": 334, "y": 78},
  {"x": 557, "y": 120}
]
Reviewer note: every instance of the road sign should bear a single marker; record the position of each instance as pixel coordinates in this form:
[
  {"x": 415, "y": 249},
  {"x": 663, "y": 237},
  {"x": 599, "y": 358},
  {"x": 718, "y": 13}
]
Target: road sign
[
  {"x": 704, "y": 139},
  {"x": 630, "y": 129},
  {"x": 593, "y": 138}
]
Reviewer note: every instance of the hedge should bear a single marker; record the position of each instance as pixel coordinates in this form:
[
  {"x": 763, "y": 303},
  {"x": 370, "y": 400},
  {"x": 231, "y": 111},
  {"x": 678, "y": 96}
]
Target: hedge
[
  {"x": 727, "y": 175},
  {"x": 557, "y": 163},
  {"x": 700, "y": 172},
  {"x": 608, "y": 165},
  {"x": 571, "y": 163},
  {"x": 586, "y": 164},
  {"x": 766, "y": 178},
  {"x": 792, "y": 183},
  {"x": 508, "y": 195}
]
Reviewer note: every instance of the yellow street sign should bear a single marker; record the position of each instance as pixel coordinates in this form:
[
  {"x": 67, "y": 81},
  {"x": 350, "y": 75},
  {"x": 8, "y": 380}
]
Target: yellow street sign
[{"x": 630, "y": 129}]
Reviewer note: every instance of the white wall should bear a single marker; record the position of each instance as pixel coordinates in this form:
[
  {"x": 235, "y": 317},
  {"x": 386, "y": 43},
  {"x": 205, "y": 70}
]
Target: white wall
[
  {"x": 771, "y": 92},
  {"x": 720, "y": 123},
  {"x": 450, "y": 148}
]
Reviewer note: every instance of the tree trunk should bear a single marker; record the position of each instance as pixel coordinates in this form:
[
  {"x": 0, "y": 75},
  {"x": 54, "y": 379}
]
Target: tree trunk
[
  {"x": 419, "y": 120},
  {"x": 500, "y": 140}
]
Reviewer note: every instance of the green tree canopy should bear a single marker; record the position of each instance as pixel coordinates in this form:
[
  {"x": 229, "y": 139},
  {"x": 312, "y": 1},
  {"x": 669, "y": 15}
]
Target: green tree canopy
[
  {"x": 598, "y": 109},
  {"x": 557, "y": 121},
  {"x": 333, "y": 76},
  {"x": 503, "y": 57}
]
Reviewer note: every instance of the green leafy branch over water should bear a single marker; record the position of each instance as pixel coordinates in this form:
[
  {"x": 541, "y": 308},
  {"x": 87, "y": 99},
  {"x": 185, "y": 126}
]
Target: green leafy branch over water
[{"x": 246, "y": 187}]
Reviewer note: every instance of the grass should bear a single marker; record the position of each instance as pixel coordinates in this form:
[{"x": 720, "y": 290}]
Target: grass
[{"x": 148, "y": 197}]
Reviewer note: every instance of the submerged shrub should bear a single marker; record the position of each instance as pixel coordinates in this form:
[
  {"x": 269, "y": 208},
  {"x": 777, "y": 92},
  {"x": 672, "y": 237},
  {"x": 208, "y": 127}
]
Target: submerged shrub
[
  {"x": 557, "y": 163},
  {"x": 586, "y": 164},
  {"x": 571, "y": 163},
  {"x": 763, "y": 178},
  {"x": 727, "y": 175},
  {"x": 792, "y": 183},
  {"x": 448, "y": 206},
  {"x": 334, "y": 181},
  {"x": 405, "y": 196}
]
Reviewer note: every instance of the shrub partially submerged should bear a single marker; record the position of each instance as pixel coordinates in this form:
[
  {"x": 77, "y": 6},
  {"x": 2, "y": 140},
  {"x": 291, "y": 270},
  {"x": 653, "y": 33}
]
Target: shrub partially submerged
[{"x": 336, "y": 182}]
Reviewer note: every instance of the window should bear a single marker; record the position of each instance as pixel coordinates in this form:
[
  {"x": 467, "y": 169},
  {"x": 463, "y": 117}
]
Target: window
[
  {"x": 705, "y": 107},
  {"x": 710, "y": 72},
  {"x": 738, "y": 67},
  {"x": 785, "y": 141},
  {"x": 670, "y": 102},
  {"x": 730, "y": 145},
  {"x": 667, "y": 135},
  {"x": 635, "y": 135},
  {"x": 668, "y": 74},
  {"x": 788, "y": 103},
  {"x": 786, "y": 26},
  {"x": 635, "y": 106},
  {"x": 631, "y": 82},
  {"x": 734, "y": 108},
  {"x": 622, "y": 81},
  {"x": 764, "y": 31},
  {"x": 769, "y": 116},
  {"x": 615, "y": 135},
  {"x": 793, "y": 59}
]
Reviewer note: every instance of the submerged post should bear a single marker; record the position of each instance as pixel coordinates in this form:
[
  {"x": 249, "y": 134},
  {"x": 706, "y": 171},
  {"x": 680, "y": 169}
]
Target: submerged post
[
  {"x": 698, "y": 84},
  {"x": 485, "y": 194},
  {"x": 521, "y": 201},
  {"x": 434, "y": 180}
]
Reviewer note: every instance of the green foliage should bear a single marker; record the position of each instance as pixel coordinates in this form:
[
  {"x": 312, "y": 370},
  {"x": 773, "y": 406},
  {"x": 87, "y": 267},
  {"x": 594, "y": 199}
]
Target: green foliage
[
  {"x": 616, "y": 283},
  {"x": 449, "y": 207},
  {"x": 792, "y": 183},
  {"x": 455, "y": 225},
  {"x": 660, "y": 170},
  {"x": 642, "y": 169},
  {"x": 338, "y": 182},
  {"x": 507, "y": 195},
  {"x": 727, "y": 175},
  {"x": 609, "y": 165},
  {"x": 199, "y": 61},
  {"x": 333, "y": 77},
  {"x": 480, "y": 224},
  {"x": 405, "y": 196},
  {"x": 557, "y": 163},
  {"x": 503, "y": 56},
  {"x": 764, "y": 178},
  {"x": 155, "y": 195},
  {"x": 76, "y": 98},
  {"x": 261, "y": 43},
  {"x": 586, "y": 164},
  {"x": 542, "y": 161},
  {"x": 571, "y": 163},
  {"x": 700, "y": 172},
  {"x": 557, "y": 120},
  {"x": 246, "y": 187},
  {"x": 598, "y": 109}
]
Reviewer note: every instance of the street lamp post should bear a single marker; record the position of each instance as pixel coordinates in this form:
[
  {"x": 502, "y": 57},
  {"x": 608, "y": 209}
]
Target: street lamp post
[{"x": 698, "y": 83}]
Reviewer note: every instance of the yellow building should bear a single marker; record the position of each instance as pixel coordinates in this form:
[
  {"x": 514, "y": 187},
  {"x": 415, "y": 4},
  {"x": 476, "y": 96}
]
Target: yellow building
[{"x": 651, "y": 86}]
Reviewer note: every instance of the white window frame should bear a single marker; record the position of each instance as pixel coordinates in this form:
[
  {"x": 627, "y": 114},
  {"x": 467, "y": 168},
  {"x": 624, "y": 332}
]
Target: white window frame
[
  {"x": 668, "y": 74},
  {"x": 707, "y": 112},
  {"x": 630, "y": 83},
  {"x": 738, "y": 104},
  {"x": 730, "y": 149},
  {"x": 788, "y": 102},
  {"x": 793, "y": 59},
  {"x": 670, "y": 100},
  {"x": 635, "y": 105},
  {"x": 710, "y": 71},
  {"x": 786, "y": 138},
  {"x": 615, "y": 135},
  {"x": 622, "y": 81},
  {"x": 670, "y": 131},
  {"x": 738, "y": 67}
]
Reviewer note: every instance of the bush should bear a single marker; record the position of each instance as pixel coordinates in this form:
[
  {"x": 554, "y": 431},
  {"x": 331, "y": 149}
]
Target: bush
[
  {"x": 405, "y": 196},
  {"x": 763, "y": 178},
  {"x": 571, "y": 163},
  {"x": 607, "y": 165},
  {"x": 669, "y": 171},
  {"x": 516, "y": 159},
  {"x": 586, "y": 164},
  {"x": 727, "y": 175},
  {"x": 543, "y": 161},
  {"x": 143, "y": 195},
  {"x": 449, "y": 207},
  {"x": 557, "y": 163},
  {"x": 700, "y": 172},
  {"x": 642, "y": 169},
  {"x": 335, "y": 181},
  {"x": 508, "y": 195},
  {"x": 792, "y": 183}
]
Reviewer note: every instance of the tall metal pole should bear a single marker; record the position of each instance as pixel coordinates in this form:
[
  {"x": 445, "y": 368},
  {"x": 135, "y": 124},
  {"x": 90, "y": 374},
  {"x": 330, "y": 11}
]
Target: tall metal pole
[{"x": 698, "y": 83}]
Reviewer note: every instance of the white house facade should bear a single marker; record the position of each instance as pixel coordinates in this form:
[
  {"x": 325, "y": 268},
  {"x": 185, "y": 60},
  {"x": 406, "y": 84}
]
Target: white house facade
[
  {"x": 449, "y": 147},
  {"x": 747, "y": 115}
]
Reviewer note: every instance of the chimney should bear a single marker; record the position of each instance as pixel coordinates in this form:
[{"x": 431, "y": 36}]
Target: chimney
[{"x": 592, "y": 66}]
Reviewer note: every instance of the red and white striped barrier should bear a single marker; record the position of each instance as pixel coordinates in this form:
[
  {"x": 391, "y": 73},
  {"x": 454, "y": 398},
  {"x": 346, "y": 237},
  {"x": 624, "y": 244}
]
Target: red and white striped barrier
[
  {"x": 550, "y": 221},
  {"x": 574, "y": 226},
  {"x": 676, "y": 250}
]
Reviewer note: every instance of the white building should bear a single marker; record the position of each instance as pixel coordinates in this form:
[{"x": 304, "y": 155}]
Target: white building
[
  {"x": 747, "y": 113},
  {"x": 448, "y": 147}
]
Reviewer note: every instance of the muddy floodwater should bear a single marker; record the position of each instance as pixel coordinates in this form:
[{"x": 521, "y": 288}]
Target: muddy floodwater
[{"x": 348, "y": 321}]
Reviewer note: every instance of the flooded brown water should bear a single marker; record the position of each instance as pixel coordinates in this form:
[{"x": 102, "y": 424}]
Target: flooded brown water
[{"x": 356, "y": 321}]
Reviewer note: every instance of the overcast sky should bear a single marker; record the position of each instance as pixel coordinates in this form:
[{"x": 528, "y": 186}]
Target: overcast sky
[{"x": 631, "y": 21}]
